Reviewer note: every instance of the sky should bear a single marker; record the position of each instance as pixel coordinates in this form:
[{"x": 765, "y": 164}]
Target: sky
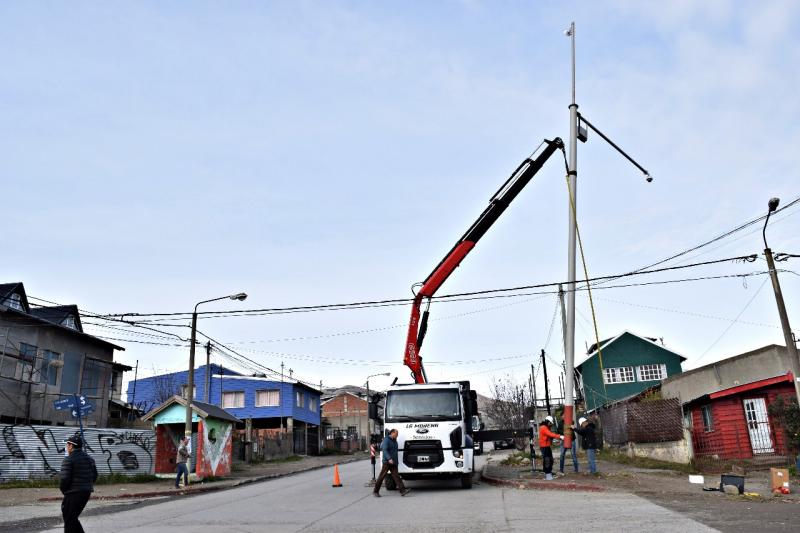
[{"x": 159, "y": 154}]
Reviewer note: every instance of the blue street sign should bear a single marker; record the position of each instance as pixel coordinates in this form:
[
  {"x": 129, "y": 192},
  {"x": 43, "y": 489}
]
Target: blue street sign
[{"x": 64, "y": 403}]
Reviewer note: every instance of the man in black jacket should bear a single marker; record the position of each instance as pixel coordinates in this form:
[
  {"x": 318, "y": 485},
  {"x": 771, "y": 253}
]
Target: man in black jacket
[
  {"x": 78, "y": 474},
  {"x": 586, "y": 430}
]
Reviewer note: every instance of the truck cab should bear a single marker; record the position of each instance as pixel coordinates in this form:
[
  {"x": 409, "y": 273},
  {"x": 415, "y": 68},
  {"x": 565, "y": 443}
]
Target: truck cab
[{"x": 434, "y": 425}]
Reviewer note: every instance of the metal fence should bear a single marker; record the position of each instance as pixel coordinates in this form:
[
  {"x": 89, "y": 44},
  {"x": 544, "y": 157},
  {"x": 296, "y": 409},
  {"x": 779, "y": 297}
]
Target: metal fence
[
  {"x": 36, "y": 452},
  {"x": 644, "y": 421}
]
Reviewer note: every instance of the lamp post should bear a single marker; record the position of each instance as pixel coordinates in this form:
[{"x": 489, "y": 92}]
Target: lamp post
[
  {"x": 369, "y": 431},
  {"x": 190, "y": 381},
  {"x": 791, "y": 348}
]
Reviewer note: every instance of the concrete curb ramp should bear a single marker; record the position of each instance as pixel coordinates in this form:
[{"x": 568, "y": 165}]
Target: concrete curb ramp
[{"x": 210, "y": 488}]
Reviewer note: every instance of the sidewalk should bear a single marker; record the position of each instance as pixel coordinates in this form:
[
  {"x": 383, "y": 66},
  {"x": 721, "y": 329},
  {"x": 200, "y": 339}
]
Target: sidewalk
[
  {"x": 26, "y": 503},
  {"x": 618, "y": 477}
]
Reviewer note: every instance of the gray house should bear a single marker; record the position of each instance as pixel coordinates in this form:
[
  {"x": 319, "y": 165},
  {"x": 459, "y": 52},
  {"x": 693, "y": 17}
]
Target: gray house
[{"x": 45, "y": 355}]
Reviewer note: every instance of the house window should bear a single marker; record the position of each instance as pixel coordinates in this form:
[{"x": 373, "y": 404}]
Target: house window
[
  {"x": 300, "y": 399},
  {"x": 708, "y": 419},
  {"x": 27, "y": 352},
  {"x": 49, "y": 369},
  {"x": 268, "y": 398},
  {"x": 312, "y": 404},
  {"x": 652, "y": 372},
  {"x": 27, "y": 355},
  {"x": 232, "y": 399},
  {"x": 623, "y": 374},
  {"x": 95, "y": 377},
  {"x": 352, "y": 432},
  {"x": 14, "y": 302},
  {"x": 69, "y": 322}
]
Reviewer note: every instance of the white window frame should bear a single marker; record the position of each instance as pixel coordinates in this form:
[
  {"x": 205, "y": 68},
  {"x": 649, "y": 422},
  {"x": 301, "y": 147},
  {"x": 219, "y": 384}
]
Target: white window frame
[
  {"x": 312, "y": 405},
  {"x": 184, "y": 388},
  {"x": 14, "y": 301},
  {"x": 300, "y": 399},
  {"x": 69, "y": 322},
  {"x": 621, "y": 374},
  {"x": 654, "y": 372},
  {"x": 236, "y": 395},
  {"x": 707, "y": 416},
  {"x": 268, "y": 398}
]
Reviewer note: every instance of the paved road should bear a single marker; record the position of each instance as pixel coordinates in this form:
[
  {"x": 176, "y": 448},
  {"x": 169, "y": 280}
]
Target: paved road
[{"x": 307, "y": 502}]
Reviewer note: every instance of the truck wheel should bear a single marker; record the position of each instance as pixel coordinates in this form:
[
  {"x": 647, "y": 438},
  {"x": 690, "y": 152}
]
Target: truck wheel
[
  {"x": 466, "y": 481},
  {"x": 390, "y": 485}
]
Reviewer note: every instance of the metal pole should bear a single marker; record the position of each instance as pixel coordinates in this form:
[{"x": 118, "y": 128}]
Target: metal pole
[
  {"x": 208, "y": 371},
  {"x": 187, "y": 430},
  {"x": 794, "y": 363},
  {"x": 281, "y": 400},
  {"x": 133, "y": 401},
  {"x": 569, "y": 354},
  {"x": 535, "y": 396},
  {"x": 369, "y": 433},
  {"x": 546, "y": 385}
]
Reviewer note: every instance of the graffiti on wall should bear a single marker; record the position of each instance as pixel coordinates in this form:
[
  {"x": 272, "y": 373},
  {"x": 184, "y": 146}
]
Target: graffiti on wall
[
  {"x": 217, "y": 437},
  {"x": 31, "y": 452}
]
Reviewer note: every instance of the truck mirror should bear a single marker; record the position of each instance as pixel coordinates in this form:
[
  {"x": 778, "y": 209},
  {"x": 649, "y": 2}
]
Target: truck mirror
[{"x": 373, "y": 411}]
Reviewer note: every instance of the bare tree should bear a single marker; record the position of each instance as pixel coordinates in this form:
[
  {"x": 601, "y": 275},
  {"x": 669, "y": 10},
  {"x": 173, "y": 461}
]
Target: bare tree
[
  {"x": 164, "y": 387},
  {"x": 510, "y": 407}
]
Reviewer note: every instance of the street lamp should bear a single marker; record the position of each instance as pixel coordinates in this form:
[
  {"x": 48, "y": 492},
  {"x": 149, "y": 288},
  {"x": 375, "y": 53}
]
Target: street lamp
[
  {"x": 190, "y": 385},
  {"x": 369, "y": 431},
  {"x": 794, "y": 363}
]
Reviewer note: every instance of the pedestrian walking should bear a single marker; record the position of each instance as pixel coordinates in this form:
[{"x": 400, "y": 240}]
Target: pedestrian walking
[
  {"x": 390, "y": 460},
  {"x": 78, "y": 474},
  {"x": 546, "y": 436},
  {"x": 587, "y": 431},
  {"x": 180, "y": 463}
]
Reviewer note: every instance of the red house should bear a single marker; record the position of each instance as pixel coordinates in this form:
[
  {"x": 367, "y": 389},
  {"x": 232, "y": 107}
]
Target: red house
[
  {"x": 726, "y": 406},
  {"x": 735, "y": 423}
]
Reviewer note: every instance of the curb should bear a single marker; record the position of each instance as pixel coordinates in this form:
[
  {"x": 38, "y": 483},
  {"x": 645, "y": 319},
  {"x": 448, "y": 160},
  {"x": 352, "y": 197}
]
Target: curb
[
  {"x": 184, "y": 492},
  {"x": 543, "y": 485}
]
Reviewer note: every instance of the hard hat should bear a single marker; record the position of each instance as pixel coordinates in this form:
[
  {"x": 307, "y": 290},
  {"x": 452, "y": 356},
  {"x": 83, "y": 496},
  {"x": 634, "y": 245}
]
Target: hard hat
[
  {"x": 550, "y": 419},
  {"x": 581, "y": 420}
]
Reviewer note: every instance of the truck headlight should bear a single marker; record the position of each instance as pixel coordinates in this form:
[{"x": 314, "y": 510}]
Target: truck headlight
[
  {"x": 458, "y": 454},
  {"x": 459, "y": 464}
]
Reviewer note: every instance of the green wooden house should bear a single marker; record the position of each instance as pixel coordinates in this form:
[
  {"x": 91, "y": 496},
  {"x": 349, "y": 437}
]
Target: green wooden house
[{"x": 631, "y": 364}]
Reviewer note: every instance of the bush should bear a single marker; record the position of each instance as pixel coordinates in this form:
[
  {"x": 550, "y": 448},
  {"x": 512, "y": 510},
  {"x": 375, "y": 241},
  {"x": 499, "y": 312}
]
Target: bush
[{"x": 784, "y": 409}]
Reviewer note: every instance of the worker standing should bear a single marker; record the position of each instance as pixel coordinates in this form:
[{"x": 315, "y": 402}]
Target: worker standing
[
  {"x": 586, "y": 430},
  {"x": 546, "y": 436},
  {"x": 390, "y": 459}
]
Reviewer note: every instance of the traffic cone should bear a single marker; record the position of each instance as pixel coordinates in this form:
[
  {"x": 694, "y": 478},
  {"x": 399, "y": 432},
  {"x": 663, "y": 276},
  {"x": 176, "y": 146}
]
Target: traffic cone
[{"x": 336, "y": 481}]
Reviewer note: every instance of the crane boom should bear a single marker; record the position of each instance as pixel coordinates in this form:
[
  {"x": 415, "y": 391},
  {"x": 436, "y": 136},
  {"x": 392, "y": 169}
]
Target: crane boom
[{"x": 497, "y": 205}]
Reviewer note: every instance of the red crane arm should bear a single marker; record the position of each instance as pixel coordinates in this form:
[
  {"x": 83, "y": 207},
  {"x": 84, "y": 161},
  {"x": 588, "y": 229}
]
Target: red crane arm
[{"x": 497, "y": 205}]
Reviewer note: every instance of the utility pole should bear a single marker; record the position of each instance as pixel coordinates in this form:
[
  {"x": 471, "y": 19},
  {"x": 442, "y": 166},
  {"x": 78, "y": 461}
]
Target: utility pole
[
  {"x": 132, "y": 402},
  {"x": 281, "y": 397},
  {"x": 569, "y": 345},
  {"x": 546, "y": 386},
  {"x": 208, "y": 371},
  {"x": 535, "y": 395},
  {"x": 791, "y": 348}
]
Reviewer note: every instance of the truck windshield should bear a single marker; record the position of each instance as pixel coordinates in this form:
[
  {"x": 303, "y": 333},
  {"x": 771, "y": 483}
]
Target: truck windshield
[{"x": 417, "y": 405}]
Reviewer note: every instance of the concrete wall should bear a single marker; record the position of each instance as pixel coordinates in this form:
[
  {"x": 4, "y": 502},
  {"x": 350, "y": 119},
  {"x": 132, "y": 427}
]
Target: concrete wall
[
  {"x": 33, "y": 452},
  {"x": 766, "y": 362},
  {"x": 671, "y": 452}
]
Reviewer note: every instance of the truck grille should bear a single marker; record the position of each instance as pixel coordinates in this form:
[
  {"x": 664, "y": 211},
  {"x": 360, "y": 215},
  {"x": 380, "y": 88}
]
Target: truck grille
[{"x": 423, "y": 453}]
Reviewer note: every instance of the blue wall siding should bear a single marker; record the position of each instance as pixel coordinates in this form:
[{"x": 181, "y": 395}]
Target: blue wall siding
[{"x": 146, "y": 390}]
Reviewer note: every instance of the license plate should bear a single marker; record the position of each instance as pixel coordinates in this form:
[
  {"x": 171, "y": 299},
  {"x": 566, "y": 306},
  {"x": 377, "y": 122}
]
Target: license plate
[{"x": 423, "y": 458}]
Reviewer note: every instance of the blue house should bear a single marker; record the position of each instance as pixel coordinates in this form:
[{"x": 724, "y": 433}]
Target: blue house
[{"x": 261, "y": 402}]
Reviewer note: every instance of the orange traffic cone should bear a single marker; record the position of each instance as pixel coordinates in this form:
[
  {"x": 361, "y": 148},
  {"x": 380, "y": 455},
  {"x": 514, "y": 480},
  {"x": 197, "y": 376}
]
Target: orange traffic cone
[{"x": 336, "y": 481}]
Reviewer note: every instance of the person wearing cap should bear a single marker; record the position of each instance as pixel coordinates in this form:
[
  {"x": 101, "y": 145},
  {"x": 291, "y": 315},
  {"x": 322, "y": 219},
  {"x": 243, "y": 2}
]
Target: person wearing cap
[
  {"x": 586, "y": 430},
  {"x": 78, "y": 474},
  {"x": 180, "y": 462},
  {"x": 546, "y": 436}
]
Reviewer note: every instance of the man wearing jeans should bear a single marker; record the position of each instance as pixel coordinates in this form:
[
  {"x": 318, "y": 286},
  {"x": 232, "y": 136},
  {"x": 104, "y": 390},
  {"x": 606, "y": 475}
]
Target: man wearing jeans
[
  {"x": 180, "y": 462},
  {"x": 587, "y": 432},
  {"x": 573, "y": 452}
]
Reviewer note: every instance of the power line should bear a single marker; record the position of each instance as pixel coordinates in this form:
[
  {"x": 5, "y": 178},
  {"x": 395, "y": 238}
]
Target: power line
[{"x": 464, "y": 296}]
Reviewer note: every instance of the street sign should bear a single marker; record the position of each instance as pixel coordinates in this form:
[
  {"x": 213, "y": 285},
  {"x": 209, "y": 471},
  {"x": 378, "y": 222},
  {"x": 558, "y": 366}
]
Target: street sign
[{"x": 64, "y": 403}]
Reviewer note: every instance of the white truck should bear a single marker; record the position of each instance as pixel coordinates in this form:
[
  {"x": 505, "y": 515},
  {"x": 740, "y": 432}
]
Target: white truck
[{"x": 434, "y": 423}]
